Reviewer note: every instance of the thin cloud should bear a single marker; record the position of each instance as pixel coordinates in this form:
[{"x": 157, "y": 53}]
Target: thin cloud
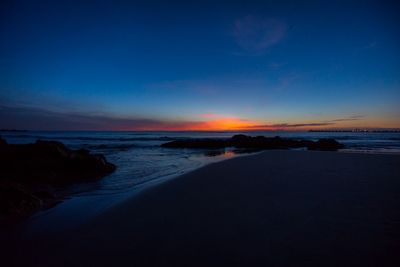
[
  {"x": 288, "y": 125},
  {"x": 41, "y": 119},
  {"x": 256, "y": 34},
  {"x": 370, "y": 45},
  {"x": 302, "y": 125},
  {"x": 351, "y": 118}
]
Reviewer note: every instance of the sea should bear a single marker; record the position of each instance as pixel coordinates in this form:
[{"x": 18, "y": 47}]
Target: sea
[{"x": 142, "y": 163}]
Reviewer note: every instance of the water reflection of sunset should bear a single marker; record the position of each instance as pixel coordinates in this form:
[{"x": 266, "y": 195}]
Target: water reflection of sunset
[{"x": 229, "y": 154}]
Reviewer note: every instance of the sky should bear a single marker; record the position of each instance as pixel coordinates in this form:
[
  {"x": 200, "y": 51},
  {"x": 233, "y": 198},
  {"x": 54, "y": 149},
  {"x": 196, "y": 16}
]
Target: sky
[{"x": 199, "y": 65}]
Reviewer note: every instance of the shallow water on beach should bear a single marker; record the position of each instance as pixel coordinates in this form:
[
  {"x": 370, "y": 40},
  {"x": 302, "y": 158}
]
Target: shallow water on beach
[
  {"x": 140, "y": 158},
  {"x": 142, "y": 162}
]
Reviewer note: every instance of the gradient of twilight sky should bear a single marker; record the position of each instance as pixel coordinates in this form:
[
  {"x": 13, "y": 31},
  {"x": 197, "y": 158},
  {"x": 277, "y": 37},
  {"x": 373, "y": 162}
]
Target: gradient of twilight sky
[{"x": 201, "y": 65}]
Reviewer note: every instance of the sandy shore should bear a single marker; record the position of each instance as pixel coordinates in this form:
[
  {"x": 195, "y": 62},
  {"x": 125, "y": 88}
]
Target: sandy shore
[{"x": 277, "y": 208}]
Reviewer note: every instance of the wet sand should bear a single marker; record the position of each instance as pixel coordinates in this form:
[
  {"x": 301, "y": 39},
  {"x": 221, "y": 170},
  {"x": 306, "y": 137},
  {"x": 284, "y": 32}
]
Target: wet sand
[{"x": 276, "y": 208}]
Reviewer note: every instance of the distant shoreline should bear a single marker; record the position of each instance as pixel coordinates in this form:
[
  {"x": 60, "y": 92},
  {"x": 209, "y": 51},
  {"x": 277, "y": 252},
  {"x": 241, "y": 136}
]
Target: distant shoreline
[
  {"x": 12, "y": 130},
  {"x": 221, "y": 131},
  {"x": 355, "y": 131}
]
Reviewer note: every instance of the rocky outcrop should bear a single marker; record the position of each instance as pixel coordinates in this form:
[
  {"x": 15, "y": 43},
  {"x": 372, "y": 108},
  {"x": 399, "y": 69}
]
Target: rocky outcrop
[
  {"x": 258, "y": 142},
  {"x": 2, "y": 142},
  {"x": 31, "y": 172},
  {"x": 262, "y": 142},
  {"x": 325, "y": 144}
]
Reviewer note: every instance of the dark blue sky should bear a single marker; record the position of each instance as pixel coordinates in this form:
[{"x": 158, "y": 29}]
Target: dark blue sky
[{"x": 199, "y": 65}]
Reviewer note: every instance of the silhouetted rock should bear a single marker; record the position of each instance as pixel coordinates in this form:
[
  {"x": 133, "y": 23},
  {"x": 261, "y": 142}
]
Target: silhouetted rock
[
  {"x": 17, "y": 200},
  {"x": 257, "y": 143},
  {"x": 30, "y": 172},
  {"x": 244, "y": 141},
  {"x": 2, "y": 142},
  {"x": 325, "y": 144}
]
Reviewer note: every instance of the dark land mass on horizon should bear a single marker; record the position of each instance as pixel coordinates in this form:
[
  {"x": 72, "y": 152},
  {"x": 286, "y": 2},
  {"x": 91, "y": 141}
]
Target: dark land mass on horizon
[
  {"x": 12, "y": 130},
  {"x": 356, "y": 131},
  {"x": 257, "y": 142}
]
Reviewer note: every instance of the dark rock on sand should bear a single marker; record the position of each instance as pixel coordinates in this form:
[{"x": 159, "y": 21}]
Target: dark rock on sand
[
  {"x": 325, "y": 144},
  {"x": 244, "y": 141},
  {"x": 2, "y": 142},
  {"x": 31, "y": 172},
  {"x": 15, "y": 199},
  {"x": 258, "y": 142}
]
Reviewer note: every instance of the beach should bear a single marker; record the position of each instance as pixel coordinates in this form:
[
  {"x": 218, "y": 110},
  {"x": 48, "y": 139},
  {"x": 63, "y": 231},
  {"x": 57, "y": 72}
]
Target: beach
[{"x": 275, "y": 208}]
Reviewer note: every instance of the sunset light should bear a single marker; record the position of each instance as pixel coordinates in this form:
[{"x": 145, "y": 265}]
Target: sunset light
[{"x": 208, "y": 133}]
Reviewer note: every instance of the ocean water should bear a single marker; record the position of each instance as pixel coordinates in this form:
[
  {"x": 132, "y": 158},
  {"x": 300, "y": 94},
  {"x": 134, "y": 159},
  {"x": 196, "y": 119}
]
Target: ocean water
[
  {"x": 142, "y": 162},
  {"x": 140, "y": 157}
]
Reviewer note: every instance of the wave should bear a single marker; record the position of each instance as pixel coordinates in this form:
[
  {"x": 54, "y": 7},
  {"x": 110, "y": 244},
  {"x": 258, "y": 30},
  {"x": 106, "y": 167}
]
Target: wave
[{"x": 110, "y": 147}]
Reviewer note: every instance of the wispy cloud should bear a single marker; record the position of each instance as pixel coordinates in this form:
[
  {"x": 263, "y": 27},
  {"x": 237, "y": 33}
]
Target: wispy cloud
[
  {"x": 256, "y": 34},
  {"x": 287, "y": 125},
  {"x": 351, "y": 118},
  {"x": 370, "y": 45},
  {"x": 40, "y": 119}
]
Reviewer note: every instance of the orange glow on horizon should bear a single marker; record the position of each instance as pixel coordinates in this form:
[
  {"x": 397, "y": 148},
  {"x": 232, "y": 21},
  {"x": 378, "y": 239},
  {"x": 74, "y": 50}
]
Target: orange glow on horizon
[
  {"x": 223, "y": 124},
  {"x": 238, "y": 124},
  {"x": 220, "y": 124}
]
